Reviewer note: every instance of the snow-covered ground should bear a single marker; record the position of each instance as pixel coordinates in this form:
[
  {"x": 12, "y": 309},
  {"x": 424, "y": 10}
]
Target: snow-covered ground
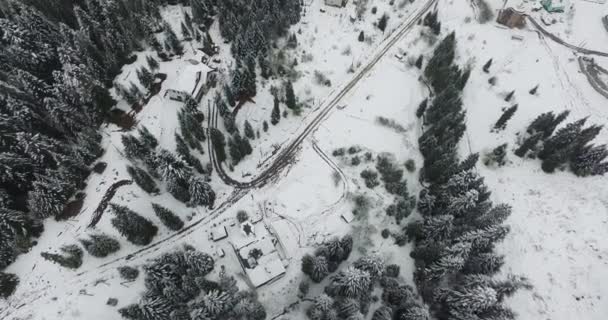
[{"x": 559, "y": 221}]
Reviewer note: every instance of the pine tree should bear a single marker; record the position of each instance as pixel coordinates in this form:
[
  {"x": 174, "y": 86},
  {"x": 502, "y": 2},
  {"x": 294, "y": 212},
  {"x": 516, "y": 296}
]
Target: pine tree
[
  {"x": 173, "y": 42},
  {"x": 290, "y": 97},
  {"x": 137, "y": 229},
  {"x": 361, "y": 37},
  {"x": 8, "y": 284},
  {"x": 249, "y": 130},
  {"x": 186, "y": 32},
  {"x": 533, "y": 90},
  {"x": 351, "y": 282},
  {"x": 509, "y": 96},
  {"x": 201, "y": 193},
  {"x": 496, "y": 156},
  {"x": 145, "y": 77},
  {"x": 422, "y": 108},
  {"x": 133, "y": 148},
  {"x": 319, "y": 269},
  {"x": 152, "y": 63},
  {"x": 383, "y": 22},
  {"x": 373, "y": 265},
  {"x": 502, "y": 121},
  {"x": 419, "y": 62},
  {"x": 589, "y": 161},
  {"x": 486, "y": 66},
  {"x": 265, "y": 126},
  {"x": 72, "y": 257},
  {"x": 528, "y": 144},
  {"x": 275, "y": 117},
  {"x": 167, "y": 217},
  {"x": 100, "y": 245},
  {"x": 229, "y": 96},
  {"x": 47, "y": 198},
  {"x": 219, "y": 144},
  {"x": 147, "y": 138},
  {"x": 143, "y": 179}
]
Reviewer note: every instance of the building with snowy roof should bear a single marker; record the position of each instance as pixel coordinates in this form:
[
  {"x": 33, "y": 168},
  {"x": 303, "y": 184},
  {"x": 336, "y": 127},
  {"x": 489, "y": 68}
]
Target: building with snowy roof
[
  {"x": 336, "y": 3},
  {"x": 190, "y": 80},
  {"x": 258, "y": 254}
]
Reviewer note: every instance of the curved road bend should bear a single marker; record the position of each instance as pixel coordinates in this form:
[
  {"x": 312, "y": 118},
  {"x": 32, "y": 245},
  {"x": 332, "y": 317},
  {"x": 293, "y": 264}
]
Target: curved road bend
[{"x": 284, "y": 157}]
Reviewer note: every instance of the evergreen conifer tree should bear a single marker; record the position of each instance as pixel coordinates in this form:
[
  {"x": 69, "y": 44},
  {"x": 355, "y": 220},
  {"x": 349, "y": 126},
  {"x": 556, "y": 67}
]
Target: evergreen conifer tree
[
  {"x": 275, "y": 117},
  {"x": 501, "y": 123},
  {"x": 290, "y": 97},
  {"x": 167, "y": 217},
  {"x": 137, "y": 229},
  {"x": 248, "y": 129},
  {"x": 100, "y": 245}
]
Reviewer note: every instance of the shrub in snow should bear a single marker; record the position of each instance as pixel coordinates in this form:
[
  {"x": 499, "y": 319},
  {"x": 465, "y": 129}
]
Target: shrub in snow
[
  {"x": 167, "y": 217},
  {"x": 410, "y": 165},
  {"x": 71, "y": 258},
  {"x": 370, "y": 177},
  {"x": 390, "y": 123},
  {"x": 242, "y": 216},
  {"x": 100, "y": 245},
  {"x": 392, "y": 270},
  {"x": 496, "y": 156},
  {"x": 8, "y": 284},
  {"x": 137, "y": 229},
  {"x": 128, "y": 273},
  {"x": 304, "y": 287}
]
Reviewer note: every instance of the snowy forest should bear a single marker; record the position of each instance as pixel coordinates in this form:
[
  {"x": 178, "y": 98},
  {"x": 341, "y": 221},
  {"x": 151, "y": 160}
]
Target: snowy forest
[
  {"x": 290, "y": 159},
  {"x": 57, "y": 63}
]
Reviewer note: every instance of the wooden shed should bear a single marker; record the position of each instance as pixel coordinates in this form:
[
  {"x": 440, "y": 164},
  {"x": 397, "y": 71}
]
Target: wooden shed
[{"x": 511, "y": 18}]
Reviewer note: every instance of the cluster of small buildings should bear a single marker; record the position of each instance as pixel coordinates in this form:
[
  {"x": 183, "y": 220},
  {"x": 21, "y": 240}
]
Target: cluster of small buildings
[{"x": 257, "y": 248}]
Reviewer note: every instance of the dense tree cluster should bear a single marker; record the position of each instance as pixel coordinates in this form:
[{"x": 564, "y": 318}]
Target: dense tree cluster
[
  {"x": 349, "y": 294},
  {"x": 58, "y": 59},
  {"x": 454, "y": 243},
  {"x": 175, "y": 171},
  {"x": 569, "y": 146},
  {"x": 327, "y": 258},
  {"x": 392, "y": 176},
  {"x": 177, "y": 288}
]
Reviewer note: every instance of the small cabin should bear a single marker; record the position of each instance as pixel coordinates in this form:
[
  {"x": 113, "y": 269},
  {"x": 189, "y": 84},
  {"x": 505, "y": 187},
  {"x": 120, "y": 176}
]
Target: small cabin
[
  {"x": 219, "y": 233},
  {"x": 336, "y": 3}
]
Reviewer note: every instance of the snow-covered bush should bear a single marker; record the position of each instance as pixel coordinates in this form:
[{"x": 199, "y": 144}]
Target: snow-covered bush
[{"x": 128, "y": 273}]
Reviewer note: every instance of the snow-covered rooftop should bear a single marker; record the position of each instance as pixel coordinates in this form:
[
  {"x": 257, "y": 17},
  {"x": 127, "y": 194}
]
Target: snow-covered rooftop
[
  {"x": 269, "y": 268},
  {"x": 189, "y": 76}
]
